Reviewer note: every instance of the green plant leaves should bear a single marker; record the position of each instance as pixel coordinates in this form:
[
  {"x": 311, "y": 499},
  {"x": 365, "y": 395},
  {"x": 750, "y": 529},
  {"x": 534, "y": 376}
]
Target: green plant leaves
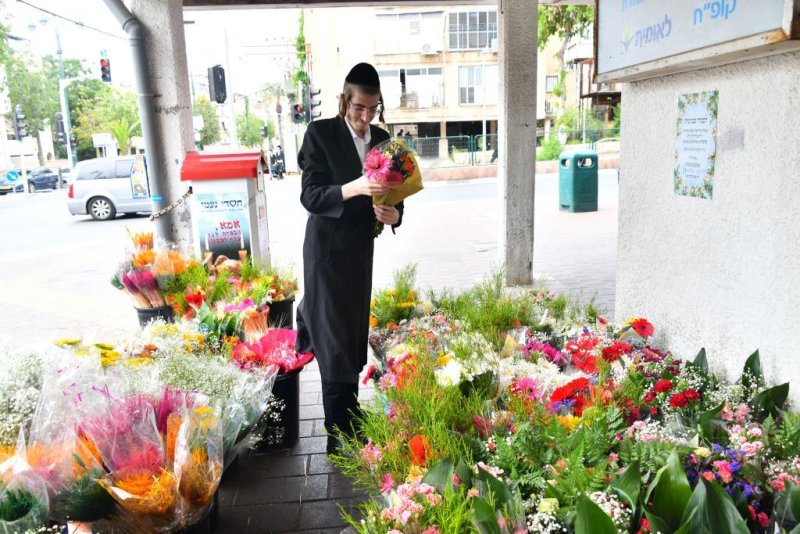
[
  {"x": 701, "y": 362},
  {"x": 591, "y": 519},
  {"x": 670, "y": 491},
  {"x": 711, "y": 511},
  {"x": 628, "y": 485},
  {"x": 710, "y": 424},
  {"x": 657, "y": 524},
  {"x": 770, "y": 401},
  {"x": 752, "y": 377}
]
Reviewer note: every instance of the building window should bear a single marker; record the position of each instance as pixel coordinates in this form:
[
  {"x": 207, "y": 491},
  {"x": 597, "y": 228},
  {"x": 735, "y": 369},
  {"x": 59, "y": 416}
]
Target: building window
[
  {"x": 477, "y": 84},
  {"x": 471, "y": 30},
  {"x": 550, "y": 83},
  {"x": 417, "y": 87},
  {"x": 400, "y": 33}
]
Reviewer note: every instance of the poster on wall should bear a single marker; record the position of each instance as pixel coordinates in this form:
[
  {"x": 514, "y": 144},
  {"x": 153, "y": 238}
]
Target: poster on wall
[
  {"x": 139, "y": 184},
  {"x": 222, "y": 223},
  {"x": 696, "y": 144}
]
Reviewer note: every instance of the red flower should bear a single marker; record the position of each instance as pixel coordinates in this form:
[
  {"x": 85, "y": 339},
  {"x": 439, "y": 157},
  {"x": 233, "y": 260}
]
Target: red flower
[
  {"x": 663, "y": 386},
  {"x": 615, "y": 350},
  {"x": 691, "y": 394},
  {"x": 195, "y": 299},
  {"x": 649, "y": 397},
  {"x": 642, "y": 327},
  {"x": 370, "y": 371},
  {"x": 678, "y": 400},
  {"x": 420, "y": 450},
  {"x": 569, "y": 389},
  {"x": 585, "y": 361}
]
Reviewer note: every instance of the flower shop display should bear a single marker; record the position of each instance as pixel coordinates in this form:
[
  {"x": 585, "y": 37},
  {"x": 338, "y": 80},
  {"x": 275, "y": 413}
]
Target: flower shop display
[
  {"x": 392, "y": 162},
  {"x": 558, "y": 421}
]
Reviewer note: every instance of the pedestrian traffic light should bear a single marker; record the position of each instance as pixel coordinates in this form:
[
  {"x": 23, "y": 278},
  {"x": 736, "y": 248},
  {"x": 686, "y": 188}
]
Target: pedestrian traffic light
[
  {"x": 311, "y": 104},
  {"x": 20, "y": 122},
  {"x": 265, "y": 131},
  {"x": 61, "y": 131},
  {"x": 216, "y": 84},
  {"x": 298, "y": 113},
  {"x": 105, "y": 69}
]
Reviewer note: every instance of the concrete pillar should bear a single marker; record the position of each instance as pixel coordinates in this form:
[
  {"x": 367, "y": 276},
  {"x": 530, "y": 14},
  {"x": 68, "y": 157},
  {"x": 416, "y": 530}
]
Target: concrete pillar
[
  {"x": 443, "y": 153},
  {"x": 517, "y": 140},
  {"x": 169, "y": 75}
]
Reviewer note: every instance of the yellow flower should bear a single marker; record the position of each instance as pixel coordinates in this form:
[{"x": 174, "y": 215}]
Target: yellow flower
[
  {"x": 702, "y": 452},
  {"x": 568, "y": 421},
  {"x": 67, "y": 342},
  {"x": 442, "y": 360},
  {"x": 547, "y": 506},
  {"x": 416, "y": 472},
  {"x": 412, "y": 295},
  {"x": 109, "y": 357},
  {"x": 104, "y": 346},
  {"x": 138, "y": 362},
  {"x": 373, "y": 321},
  {"x": 372, "y": 304},
  {"x": 391, "y": 292}
]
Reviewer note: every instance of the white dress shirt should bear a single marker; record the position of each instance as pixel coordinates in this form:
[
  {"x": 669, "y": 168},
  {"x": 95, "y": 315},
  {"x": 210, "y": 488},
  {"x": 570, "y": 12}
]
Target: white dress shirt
[{"x": 362, "y": 143}]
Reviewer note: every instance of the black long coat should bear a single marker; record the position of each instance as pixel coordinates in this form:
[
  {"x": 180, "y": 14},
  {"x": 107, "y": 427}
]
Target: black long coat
[{"x": 333, "y": 317}]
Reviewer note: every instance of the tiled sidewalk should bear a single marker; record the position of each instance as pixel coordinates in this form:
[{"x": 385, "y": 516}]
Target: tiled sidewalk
[{"x": 294, "y": 490}]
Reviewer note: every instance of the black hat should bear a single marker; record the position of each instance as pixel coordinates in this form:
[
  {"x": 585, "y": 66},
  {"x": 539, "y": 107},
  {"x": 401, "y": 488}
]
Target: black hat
[{"x": 365, "y": 75}]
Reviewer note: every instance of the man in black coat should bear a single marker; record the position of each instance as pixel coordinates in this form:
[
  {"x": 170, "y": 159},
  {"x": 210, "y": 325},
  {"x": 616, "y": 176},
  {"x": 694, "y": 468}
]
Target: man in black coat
[{"x": 333, "y": 317}]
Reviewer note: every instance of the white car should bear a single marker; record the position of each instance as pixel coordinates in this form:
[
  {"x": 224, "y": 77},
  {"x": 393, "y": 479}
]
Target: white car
[{"x": 104, "y": 187}]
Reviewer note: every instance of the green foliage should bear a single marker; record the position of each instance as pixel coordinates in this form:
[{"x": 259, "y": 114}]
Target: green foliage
[
  {"x": 84, "y": 499},
  {"x": 398, "y": 303},
  {"x": 591, "y": 519},
  {"x": 16, "y": 503},
  {"x": 783, "y": 437},
  {"x": 563, "y": 21},
  {"x": 670, "y": 491},
  {"x": 651, "y": 455},
  {"x": 249, "y": 128},
  {"x": 81, "y": 98},
  {"x": 109, "y": 111},
  {"x": 628, "y": 485},
  {"x": 210, "y": 132},
  {"x": 617, "y": 117},
  {"x": 568, "y": 119},
  {"x": 551, "y": 149},
  {"x": 711, "y": 510},
  {"x": 300, "y": 75}
]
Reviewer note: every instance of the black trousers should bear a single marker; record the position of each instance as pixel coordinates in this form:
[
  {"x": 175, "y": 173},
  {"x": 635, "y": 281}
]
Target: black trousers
[{"x": 340, "y": 402}]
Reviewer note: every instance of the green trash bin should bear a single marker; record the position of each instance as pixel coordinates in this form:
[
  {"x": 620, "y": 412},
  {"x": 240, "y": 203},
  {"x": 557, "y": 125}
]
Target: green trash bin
[{"x": 577, "y": 181}]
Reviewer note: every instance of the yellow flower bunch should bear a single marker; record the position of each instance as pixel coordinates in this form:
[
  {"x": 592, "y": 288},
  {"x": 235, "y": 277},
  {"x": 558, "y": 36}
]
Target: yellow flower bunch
[{"x": 143, "y": 492}]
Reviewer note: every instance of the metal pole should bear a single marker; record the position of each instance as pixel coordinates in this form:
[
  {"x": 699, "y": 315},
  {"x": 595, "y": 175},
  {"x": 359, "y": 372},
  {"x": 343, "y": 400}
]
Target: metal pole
[
  {"x": 153, "y": 149},
  {"x": 229, "y": 87}
]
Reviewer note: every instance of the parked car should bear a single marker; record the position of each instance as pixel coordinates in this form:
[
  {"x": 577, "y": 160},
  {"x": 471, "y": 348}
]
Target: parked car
[
  {"x": 103, "y": 187},
  {"x": 42, "y": 178},
  {"x": 7, "y": 187}
]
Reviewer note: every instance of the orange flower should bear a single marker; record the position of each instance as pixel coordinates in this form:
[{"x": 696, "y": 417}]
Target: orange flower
[
  {"x": 420, "y": 450},
  {"x": 373, "y": 321},
  {"x": 150, "y": 493},
  {"x": 200, "y": 477},
  {"x": 144, "y": 258},
  {"x": 642, "y": 327}
]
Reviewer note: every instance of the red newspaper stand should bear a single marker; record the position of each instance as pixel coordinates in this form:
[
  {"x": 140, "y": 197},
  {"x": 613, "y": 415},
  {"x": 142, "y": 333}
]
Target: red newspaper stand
[{"x": 228, "y": 203}]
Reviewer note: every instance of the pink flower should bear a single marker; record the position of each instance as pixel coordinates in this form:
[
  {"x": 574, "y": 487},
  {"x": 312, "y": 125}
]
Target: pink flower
[
  {"x": 456, "y": 480},
  {"x": 377, "y": 165},
  {"x": 371, "y": 454},
  {"x": 708, "y": 475},
  {"x": 394, "y": 177},
  {"x": 724, "y": 470},
  {"x": 431, "y": 530},
  {"x": 740, "y": 414},
  {"x": 752, "y": 448},
  {"x": 472, "y": 493},
  {"x": 388, "y": 483}
]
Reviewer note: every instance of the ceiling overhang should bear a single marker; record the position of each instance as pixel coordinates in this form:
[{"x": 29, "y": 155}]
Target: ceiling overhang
[{"x": 253, "y": 4}]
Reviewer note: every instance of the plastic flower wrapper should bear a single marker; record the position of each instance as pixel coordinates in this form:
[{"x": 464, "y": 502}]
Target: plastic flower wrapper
[
  {"x": 24, "y": 503},
  {"x": 20, "y": 384},
  {"x": 168, "y": 264},
  {"x": 392, "y": 162},
  {"x": 123, "y": 280},
  {"x": 198, "y": 460},
  {"x": 277, "y": 347}
]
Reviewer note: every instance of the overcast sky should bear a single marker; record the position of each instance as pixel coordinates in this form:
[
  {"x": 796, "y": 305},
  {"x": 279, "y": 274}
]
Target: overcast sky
[{"x": 256, "y": 40}]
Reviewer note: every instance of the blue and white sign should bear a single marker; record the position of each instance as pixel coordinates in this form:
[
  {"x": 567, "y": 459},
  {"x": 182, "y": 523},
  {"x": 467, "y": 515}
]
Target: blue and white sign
[
  {"x": 12, "y": 176},
  {"x": 636, "y": 32}
]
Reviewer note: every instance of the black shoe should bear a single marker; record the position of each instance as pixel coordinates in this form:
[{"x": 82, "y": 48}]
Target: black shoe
[{"x": 334, "y": 446}]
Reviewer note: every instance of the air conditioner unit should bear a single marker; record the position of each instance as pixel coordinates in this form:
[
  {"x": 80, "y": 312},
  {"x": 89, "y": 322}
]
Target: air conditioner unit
[
  {"x": 493, "y": 45},
  {"x": 429, "y": 49}
]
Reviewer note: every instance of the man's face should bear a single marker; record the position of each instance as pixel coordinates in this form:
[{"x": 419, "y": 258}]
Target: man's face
[{"x": 361, "y": 109}]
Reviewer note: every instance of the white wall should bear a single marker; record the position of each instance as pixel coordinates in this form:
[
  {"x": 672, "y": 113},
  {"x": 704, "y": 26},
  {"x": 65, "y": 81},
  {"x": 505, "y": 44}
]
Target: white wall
[{"x": 722, "y": 273}]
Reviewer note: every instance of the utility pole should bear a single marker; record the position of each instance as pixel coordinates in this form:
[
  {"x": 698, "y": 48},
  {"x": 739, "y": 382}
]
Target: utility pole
[{"x": 231, "y": 108}]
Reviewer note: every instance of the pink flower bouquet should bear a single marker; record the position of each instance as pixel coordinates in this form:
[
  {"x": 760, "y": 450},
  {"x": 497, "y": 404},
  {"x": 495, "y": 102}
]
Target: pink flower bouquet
[{"x": 277, "y": 347}]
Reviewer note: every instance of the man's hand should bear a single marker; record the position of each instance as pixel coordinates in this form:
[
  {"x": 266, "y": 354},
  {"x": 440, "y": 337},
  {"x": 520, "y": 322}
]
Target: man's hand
[
  {"x": 363, "y": 186},
  {"x": 386, "y": 214}
]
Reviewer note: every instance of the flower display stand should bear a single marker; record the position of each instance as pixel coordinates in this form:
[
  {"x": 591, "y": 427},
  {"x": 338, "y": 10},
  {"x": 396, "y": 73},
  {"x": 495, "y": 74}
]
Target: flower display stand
[
  {"x": 148, "y": 314},
  {"x": 281, "y": 422},
  {"x": 281, "y": 314}
]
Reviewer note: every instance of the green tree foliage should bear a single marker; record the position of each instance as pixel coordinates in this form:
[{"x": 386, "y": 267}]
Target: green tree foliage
[
  {"x": 300, "y": 75},
  {"x": 114, "y": 111},
  {"x": 210, "y": 132},
  {"x": 565, "y": 22},
  {"x": 82, "y": 96},
  {"x": 249, "y": 128}
]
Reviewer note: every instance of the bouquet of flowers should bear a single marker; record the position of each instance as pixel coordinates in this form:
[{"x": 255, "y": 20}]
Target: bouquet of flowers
[
  {"x": 277, "y": 348},
  {"x": 392, "y": 162},
  {"x": 198, "y": 459}
]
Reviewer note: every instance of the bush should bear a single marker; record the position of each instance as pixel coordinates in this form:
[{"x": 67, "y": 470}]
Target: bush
[{"x": 551, "y": 149}]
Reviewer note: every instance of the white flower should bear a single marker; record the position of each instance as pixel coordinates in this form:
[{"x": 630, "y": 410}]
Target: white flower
[{"x": 450, "y": 374}]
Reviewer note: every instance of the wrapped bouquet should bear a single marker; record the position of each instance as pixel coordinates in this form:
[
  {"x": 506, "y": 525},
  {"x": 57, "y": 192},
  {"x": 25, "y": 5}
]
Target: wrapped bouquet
[{"x": 392, "y": 162}]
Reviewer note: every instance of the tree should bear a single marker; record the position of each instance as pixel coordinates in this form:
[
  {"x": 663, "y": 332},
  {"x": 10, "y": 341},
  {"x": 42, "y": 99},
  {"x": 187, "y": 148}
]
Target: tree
[
  {"x": 300, "y": 77},
  {"x": 209, "y": 133},
  {"x": 122, "y": 131},
  {"x": 113, "y": 111},
  {"x": 250, "y": 129},
  {"x": 82, "y": 96}
]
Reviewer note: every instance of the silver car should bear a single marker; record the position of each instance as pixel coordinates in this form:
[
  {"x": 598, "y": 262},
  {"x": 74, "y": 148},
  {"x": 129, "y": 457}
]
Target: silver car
[{"x": 104, "y": 187}]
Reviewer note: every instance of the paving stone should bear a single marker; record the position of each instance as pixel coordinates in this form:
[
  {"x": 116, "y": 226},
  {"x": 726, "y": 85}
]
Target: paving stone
[
  {"x": 277, "y": 466},
  {"x": 314, "y": 411},
  {"x": 320, "y": 514},
  {"x": 319, "y": 463},
  {"x": 306, "y": 428},
  {"x": 259, "y": 490},
  {"x": 233, "y": 521},
  {"x": 307, "y": 387},
  {"x": 310, "y": 488},
  {"x": 311, "y": 445},
  {"x": 309, "y": 398},
  {"x": 340, "y": 487},
  {"x": 282, "y": 517},
  {"x": 319, "y": 427}
]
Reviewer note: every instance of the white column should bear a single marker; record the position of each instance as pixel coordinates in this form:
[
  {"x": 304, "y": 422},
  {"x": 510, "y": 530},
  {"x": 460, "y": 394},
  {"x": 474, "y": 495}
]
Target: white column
[
  {"x": 169, "y": 75},
  {"x": 517, "y": 31}
]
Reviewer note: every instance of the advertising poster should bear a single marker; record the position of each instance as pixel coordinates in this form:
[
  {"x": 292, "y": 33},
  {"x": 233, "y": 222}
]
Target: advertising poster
[
  {"x": 222, "y": 223},
  {"x": 696, "y": 144},
  {"x": 139, "y": 185}
]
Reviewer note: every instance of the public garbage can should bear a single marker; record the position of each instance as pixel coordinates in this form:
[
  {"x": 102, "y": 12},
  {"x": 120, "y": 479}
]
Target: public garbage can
[{"x": 577, "y": 181}]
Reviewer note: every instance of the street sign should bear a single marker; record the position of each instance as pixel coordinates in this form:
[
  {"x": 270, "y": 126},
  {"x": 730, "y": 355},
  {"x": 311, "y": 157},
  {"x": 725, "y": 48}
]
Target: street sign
[{"x": 12, "y": 176}]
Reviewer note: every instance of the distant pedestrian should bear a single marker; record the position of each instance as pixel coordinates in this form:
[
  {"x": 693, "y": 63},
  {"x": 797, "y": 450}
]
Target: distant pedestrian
[{"x": 400, "y": 133}]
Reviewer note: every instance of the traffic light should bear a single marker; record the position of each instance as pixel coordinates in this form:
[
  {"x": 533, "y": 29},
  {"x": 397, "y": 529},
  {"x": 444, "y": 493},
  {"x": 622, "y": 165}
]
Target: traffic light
[
  {"x": 298, "y": 113},
  {"x": 265, "y": 131},
  {"x": 20, "y": 124},
  {"x": 216, "y": 84},
  {"x": 61, "y": 131},
  {"x": 105, "y": 69},
  {"x": 311, "y": 104}
]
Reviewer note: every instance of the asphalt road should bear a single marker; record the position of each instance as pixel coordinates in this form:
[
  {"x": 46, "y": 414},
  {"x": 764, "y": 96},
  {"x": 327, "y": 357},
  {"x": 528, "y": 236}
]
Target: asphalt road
[{"x": 55, "y": 267}]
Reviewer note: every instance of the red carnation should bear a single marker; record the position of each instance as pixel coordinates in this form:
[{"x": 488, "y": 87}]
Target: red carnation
[
  {"x": 678, "y": 400},
  {"x": 648, "y": 397},
  {"x": 691, "y": 394},
  {"x": 568, "y": 390},
  {"x": 615, "y": 350},
  {"x": 663, "y": 386},
  {"x": 642, "y": 327}
]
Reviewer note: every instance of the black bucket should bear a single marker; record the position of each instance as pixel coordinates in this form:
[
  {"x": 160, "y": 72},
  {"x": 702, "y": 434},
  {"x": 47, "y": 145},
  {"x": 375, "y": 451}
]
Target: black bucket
[
  {"x": 207, "y": 522},
  {"x": 281, "y": 314},
  {"x": 148, "y": 314},
  {"x": 281, "y": 423}
]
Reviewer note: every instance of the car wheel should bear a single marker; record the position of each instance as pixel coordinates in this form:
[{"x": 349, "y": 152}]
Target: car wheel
[
  {"x": 101, "y": 209},
  {"x": 31, "y": 188}
]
